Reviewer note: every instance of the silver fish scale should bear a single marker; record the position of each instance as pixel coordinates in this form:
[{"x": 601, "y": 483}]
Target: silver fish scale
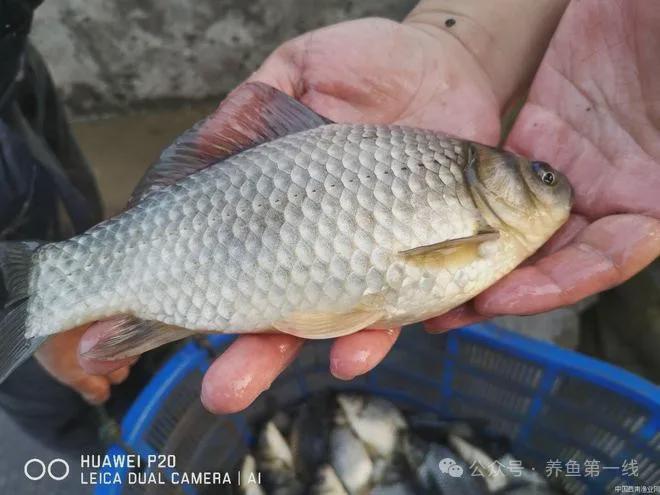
[{"x": 310, "y": 222}]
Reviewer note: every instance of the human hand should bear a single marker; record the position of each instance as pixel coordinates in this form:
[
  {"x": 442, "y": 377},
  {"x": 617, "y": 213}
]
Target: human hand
[
  {"x": 418, "y": 73},
  {"x": 59, "y": 357},
  {"x": 594, "y": 113},
  {"x": 370, "y": 70}
]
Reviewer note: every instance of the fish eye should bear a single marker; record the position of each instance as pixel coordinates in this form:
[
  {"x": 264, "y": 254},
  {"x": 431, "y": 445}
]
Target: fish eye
[
  {"x": 545, "y": 173},
  {"x": 548, "y": 178}
]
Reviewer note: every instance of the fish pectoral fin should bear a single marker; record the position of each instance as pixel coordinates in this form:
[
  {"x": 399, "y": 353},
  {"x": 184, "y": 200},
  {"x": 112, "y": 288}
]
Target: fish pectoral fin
[
  {"x": 450, "y": 252},
  {"x": 131, "y": 336},
  {"x": 319, "y": 325},
  {"x": 450, "y": 245},
  {"x": 252, "y": 114}
]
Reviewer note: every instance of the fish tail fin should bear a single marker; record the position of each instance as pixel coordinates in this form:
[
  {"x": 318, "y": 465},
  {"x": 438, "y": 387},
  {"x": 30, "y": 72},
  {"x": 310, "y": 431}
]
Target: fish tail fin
[{"x": 16, "y": 260}]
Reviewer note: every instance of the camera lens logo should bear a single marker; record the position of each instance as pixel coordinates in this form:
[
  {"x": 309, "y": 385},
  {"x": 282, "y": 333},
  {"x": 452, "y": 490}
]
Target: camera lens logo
[
  {"x": 35, "y": 469},
  {"x": 449, "y": 466}
]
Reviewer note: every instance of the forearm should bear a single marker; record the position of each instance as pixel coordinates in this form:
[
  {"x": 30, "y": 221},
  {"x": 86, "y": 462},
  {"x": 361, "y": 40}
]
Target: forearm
[{"x": 506, "y": 37}]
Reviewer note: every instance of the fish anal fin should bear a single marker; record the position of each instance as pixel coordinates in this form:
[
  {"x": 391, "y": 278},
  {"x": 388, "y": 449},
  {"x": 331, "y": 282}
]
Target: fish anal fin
[
  {"x": 459, "y": 250},
  {"x": 320, "y": 325},
  {"x": 130, "y": 336},
  {"x": 252, "y": 114}
]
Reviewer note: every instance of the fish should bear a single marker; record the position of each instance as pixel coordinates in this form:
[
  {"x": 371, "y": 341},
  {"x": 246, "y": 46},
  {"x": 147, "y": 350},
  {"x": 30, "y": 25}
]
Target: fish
[
  {"x": 422, "y": 462},
  {"x": 248, "y": 470},
  {"x": 350, "y": 460},
  {"x": 268, "y": 217},
  {"x": 273, "y": 448},
  {"x": 400, "y": 488},
  {"x": 480, "y": 461},
  {"x": 520, "y": 477},
  {"x": 441, "y": 471},
  {"x": 390, "y": 471},
  {"x": 427, "y": 425},
  {"x": 275, "y": 458},
  {"x": 327, "y": 482},
  {"x": 375, "y": 421},
  {"x": 309, "y": 436}
]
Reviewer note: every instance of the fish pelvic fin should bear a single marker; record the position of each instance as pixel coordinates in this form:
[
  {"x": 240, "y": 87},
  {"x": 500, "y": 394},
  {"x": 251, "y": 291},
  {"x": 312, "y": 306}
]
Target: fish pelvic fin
[
  {"x": 16, "y": 260},
  {"x": 131, "y": 336},
  {"x": 252, "y": 114},
  {"x": 319, "y": 325}
]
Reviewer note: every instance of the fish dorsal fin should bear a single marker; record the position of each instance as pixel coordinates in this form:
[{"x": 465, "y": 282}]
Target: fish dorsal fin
[
  {"x": 319, "y": 325},
  {"x": 252, "y": 114}
]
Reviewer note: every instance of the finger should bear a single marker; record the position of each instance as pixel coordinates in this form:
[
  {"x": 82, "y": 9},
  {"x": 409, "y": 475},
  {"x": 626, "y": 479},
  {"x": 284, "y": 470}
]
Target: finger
[
  {"x": 564, "y": 236},
  {"x": 358, "y": 353},
  {"x": 118, "y": 376},
  {"x": 245, "y": 369},
  {"x": 89, "y": 339},
  {"x": 463, "y": 315},
  {"x": 604, "y": 254},
  {"x": 282, "y": 69},
  {"x": 93, "y": 389}
]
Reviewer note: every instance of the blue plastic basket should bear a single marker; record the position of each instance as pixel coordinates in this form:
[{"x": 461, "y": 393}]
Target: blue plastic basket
[{"x": 553, "y": 404}]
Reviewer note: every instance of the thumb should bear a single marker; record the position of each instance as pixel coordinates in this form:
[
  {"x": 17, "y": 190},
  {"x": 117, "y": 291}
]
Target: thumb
[{"x": 282, "y": 68}]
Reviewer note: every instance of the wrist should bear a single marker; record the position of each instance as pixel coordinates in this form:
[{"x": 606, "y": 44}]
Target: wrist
[{"x": 506, "y": 39}]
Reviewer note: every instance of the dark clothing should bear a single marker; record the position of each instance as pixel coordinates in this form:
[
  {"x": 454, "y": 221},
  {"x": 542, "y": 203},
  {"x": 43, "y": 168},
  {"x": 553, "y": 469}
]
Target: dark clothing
[
  {"x": 57, "y": 416},
  {"x": 41, "y": 166},
  {"x": 47, "y": 192},
  {"x": 15, "y": 17},
  {"x": 50, "y": 412}
]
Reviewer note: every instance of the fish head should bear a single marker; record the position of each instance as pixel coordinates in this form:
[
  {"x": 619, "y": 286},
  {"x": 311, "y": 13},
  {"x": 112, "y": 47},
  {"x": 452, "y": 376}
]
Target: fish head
[{"x": 527, "y": 198}]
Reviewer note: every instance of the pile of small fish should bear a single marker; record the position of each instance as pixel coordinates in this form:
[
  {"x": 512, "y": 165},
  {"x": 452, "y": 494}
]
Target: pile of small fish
[{"x": 350, "y": 444}]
